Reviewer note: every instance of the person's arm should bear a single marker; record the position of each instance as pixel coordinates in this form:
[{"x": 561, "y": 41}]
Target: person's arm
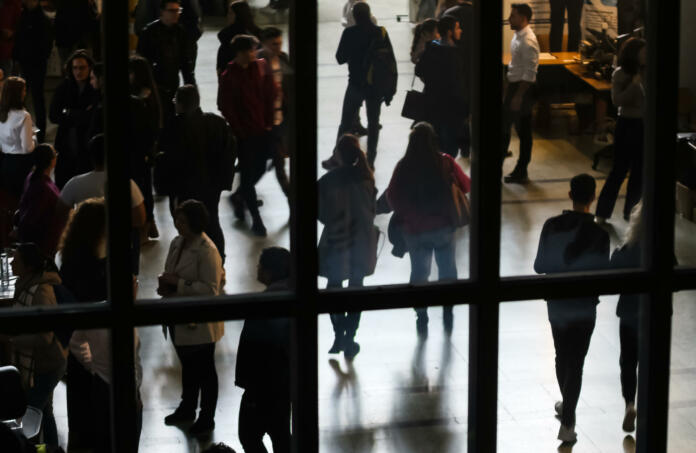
[
  {"x": 624, "y": 90},
  {"x": 541, "y": 265},
  {"x": 226, "y": 103},
  {"x": 343, "y": 51},
  {"x": 463, "y": 181},
  {"x": 271, "y": 90},
  {"x": 27, "y": 134},
  {"x": 57, "y": 112},
  {"x": 188, "y": 65},
  {"x": 210, "y": 275},
  {"x": 138, "y": 216}
]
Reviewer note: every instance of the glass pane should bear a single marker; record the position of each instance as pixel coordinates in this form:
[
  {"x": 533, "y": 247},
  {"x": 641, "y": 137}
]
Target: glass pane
[
  {"x": 414, "y": 209},
  {"x": 559, "y": 113},
  {"x": 402, "y": 392},
  {"x": 686, "y": 148},
  {"x": 682, "y": 385},
  {"x": 579, "y": 350}
]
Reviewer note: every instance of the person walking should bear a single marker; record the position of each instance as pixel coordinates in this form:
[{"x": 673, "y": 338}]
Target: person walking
[
  {"x": 572, "y": 242},
  {"x": 246, "y": 98},
  {"x": 17, "y": 139},
  {"x": 240, "y": 21},
  {"x": 194, "y": 268},
  {"x": 519, "y": 96},
  {"x": 420, "y": 193},
  {"x": 348, "y": 243},
  {"x": 628, "y": 95},
  {"x": 366, "y": 47}
]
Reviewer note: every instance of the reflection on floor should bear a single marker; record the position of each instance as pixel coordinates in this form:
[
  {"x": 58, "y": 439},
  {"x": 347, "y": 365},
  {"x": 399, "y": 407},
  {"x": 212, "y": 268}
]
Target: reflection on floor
[{"x": 401, "y": 395}]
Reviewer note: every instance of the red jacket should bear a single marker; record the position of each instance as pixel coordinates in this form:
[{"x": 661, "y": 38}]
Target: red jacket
[
  {"x": 10, "y": 11},
  {"x": 246, "y": 97}
]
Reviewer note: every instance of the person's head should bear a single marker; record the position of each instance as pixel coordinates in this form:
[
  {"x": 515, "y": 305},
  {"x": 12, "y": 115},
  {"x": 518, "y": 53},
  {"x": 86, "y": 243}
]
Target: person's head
[
  {"x": 31, "y": 4},
  {"x": 85, "y": 232},
  {"x": 449, "y": 29},
  {"x": 349, "y": 154},
  {"x": 272, "y": 40},
  {"x": 422, "y": 141},
  {"x": 632, "y": 56},
  {"x": 95, "y": 149},
  {"x": 219, "y": 448},
  {"x": 274, "y": 265},
  {"x": 190, "y": 218},
  {"x": 79, "y": 66},
  {"x": 14, "y": 91},
  {"x": 45, "y": 158},
  {"x": 170, "y": 10},
  {"x": 96, "y": 77},
  {"x": 520, "y": 16},
  {"x": 187, "y": 99},
  {"x": 239, "y": 12},
  {"x": 28, "y": 260},
  {"x": 361, "y": 13},
  {"x": 582, "y": 191},
  {"x": 635, "y": 225},
  {"x": 244, "y": 47}
]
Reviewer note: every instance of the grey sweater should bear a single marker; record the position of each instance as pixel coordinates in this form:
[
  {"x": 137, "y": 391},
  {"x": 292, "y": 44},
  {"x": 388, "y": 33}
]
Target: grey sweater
[{"x": 628, "y": 97}]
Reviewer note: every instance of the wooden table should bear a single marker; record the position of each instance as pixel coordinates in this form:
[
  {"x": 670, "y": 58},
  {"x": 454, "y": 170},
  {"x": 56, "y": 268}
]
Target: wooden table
[
  {"x": 562, "y": 59},
  {"x": 579, "y": 71}
]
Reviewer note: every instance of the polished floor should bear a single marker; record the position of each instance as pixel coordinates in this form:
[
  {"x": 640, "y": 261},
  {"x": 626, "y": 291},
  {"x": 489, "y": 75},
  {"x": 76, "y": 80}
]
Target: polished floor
[{"x": 400, "y": 394}]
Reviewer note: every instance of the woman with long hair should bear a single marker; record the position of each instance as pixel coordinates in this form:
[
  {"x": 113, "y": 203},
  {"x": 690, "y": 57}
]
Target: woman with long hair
[
  {"x": 628, "y": 95},
  {"x": 347, "y": 248},
  {"x": 420, "y": 193},
  {"x": 240, "y": 21},
  {"x": 41, "y": 214},
  {"x": 17, "y": 139},
  {"x": 423, "y": 33},
  {"x": 146, "y": 122}
]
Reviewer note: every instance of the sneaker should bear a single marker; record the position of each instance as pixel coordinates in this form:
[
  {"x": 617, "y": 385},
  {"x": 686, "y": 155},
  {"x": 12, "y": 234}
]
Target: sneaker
[
  {"x": 516, "y": 178},
  {"x": 629, "y": 421},
  {"x": 179, "y": 416},
  {"x": 567, "y": 434},
  {"x": 201, "y": 428},
  {"x": 559, "y": 408},
  {"x": 351, "y": 350},
  {"x": 337, "y": 345},
  {"x": 600, "y": 220},
  {"x": 259, "y": 229}
]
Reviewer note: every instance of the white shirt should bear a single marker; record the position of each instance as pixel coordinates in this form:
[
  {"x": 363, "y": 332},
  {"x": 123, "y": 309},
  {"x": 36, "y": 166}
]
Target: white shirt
[
  {"x": 90, "y": 185},
  {"x": 17, "y": 134},
  {"x": 524, "y": 50}
]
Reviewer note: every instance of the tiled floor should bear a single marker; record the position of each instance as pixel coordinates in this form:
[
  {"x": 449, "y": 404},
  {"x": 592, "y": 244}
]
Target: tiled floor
[{"x": 402, "y": 395}]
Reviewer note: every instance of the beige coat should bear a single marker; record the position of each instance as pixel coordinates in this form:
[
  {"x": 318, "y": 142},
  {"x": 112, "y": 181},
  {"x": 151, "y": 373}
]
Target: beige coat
[{"x": 199, "y": 268}]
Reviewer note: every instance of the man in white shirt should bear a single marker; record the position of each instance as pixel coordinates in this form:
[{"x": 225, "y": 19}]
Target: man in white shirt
[{"x": 519, "y": 93}]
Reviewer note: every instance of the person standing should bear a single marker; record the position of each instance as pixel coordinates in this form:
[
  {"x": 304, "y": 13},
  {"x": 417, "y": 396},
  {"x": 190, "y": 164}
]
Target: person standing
[
  {"x": 423, "y": 33},
  {"x": 628, "y": 95},
  {"x": 70, "y": 109},
  {"x": 17, "y": 139},
  {"x": 348, "y": 244},
  {"x": 366, "y": 47},
  {"x": 76, "y": 24},
  {"x": 193, "y": 268},
  {"x": 240, "y": 22},
  {"x": 246, "y": 98},
  {"x": 421, "y": 196},
  {"x": 442, "y": 70},
  {"x": 558, "y": 16},
  {"x": 33, "y": 44},
  {"x": 572, "y": 242},
  {"x": 170, "y": 50},
  {"x": 518, "y": 96},
  {"x": 200, "y": 149},
  {"x": 263, "y": 365}
]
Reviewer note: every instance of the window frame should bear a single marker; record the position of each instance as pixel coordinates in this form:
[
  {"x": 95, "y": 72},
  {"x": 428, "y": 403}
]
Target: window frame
[{"x": 483, "y": 291}]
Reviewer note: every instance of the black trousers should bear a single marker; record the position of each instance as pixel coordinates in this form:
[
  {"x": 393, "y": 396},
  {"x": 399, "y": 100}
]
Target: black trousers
[
  {"x": 558, "y": 11},
  {"x": 628, "y": 155},
  {"x": 81, "y": 420},
  {"x": 352, "y": 101},
  {"x": 35, "y": 75},
  {"x": 571, "y": 341},
  {"x": 259, "y": 415},
  {"x": 628, "y": 337},
  {"x": 254, "y": 153},
  {"x": 198, "y": 376},
  {"x": 522, "y": 120},
  {"x": 279, "y": 148},
  {"x": 14, "y": 169},
  {"x": 345, "y": 323}
]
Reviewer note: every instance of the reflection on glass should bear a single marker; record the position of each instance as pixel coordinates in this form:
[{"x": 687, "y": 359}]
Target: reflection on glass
[
  {"x": 401, "y": 393},
  {"x": 682, "y": 387}
]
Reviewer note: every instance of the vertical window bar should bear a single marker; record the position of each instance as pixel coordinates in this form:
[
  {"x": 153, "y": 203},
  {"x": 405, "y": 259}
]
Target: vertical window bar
[
  {"x": 116, "y": 95},
  {"x": 303, "y": 235},
  {"x": 485, "y": 226},
  {"x": 659, "y": 176}
]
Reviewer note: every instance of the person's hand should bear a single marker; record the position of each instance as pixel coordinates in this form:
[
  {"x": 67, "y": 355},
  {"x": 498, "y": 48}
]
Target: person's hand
[
  {"x": 516, "y": 103},
  {"x": 169, "y": 278},
  {"x": 85, "y": 353}
]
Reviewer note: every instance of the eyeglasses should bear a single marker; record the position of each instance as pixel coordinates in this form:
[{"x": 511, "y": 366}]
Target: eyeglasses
[{"x": 175, "y": 10}]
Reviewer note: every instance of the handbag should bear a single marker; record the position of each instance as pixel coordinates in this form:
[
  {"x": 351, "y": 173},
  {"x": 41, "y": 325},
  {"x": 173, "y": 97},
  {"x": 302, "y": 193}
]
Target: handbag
[
  {"x": 460, "y": 209},
  {"x": 414, "y": 104}
]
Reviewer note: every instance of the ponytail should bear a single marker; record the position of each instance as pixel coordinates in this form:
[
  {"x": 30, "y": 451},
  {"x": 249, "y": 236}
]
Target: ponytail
[
  {"x": 348, "y": 148},
  {"x": 428, "y": 25}
]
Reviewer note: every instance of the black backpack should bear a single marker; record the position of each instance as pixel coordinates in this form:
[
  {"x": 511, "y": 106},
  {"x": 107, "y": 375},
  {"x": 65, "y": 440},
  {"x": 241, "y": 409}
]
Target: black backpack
[{"x": 380, "y": 67}]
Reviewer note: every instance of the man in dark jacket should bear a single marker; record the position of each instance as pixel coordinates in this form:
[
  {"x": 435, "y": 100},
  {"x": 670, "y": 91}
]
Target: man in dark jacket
[
  {"x": 200, "y": 150},
  {"x": 76, "y": 26},
  {"x": 170, "y": 50},
  {"x": 359, "y": 43},
  {"x": 572, "y": 242},
  {"x": 32, "y": 47},
  {"x": 263, "y": 366},
  {"x": 442, "y": 70}
]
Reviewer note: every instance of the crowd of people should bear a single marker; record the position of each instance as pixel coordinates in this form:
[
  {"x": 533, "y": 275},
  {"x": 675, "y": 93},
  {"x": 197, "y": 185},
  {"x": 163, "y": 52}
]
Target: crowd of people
[{"x": 177, "y": 149}]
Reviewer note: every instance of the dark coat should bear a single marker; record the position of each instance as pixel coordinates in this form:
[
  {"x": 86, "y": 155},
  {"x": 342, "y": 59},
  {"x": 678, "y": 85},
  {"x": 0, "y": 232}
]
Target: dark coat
[
  {"x": 75, "y": 21},
  {"x": 225, "y": 52},
  {"x": 347, "y": 209},
  {"x": 149, "y": 10},
  {"x": 464, "y": 13},
  {"x": 34, "y": 38},
  {"x": 572, "y": 242},
  {"x": 353, "y": 48},
  {"x": 85, "y": 277},
  {"x": 441, "y": 68}
]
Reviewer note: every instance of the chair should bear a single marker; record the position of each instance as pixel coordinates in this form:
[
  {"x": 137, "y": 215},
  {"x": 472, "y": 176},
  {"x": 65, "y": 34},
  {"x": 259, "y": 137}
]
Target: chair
[{"x": 14, "y": 411}]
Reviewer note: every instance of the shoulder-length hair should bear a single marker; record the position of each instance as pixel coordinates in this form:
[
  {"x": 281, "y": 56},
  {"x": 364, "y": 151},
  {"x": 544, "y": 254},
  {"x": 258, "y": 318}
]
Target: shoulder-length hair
[
  {"x": 348, "y": 149},
  {"x": 143, "y": 78},
  {"x": 79, "y": 53},
  {"x": 85, "y": 230},
  {"x": 11, "y": 96},
  {"x": 628, "y": 58}
]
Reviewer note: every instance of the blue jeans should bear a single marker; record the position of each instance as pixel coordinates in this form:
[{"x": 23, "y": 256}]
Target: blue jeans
[
  {"x": 41, "y": 397},
  {"x": 421, "y": 248}
]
